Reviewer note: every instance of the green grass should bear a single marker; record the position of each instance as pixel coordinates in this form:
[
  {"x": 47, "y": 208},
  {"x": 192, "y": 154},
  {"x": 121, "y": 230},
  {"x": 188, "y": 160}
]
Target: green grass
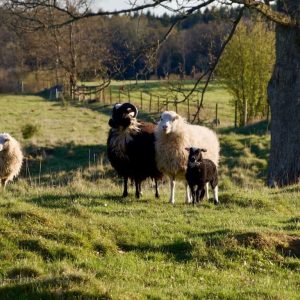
[
  {"x": 65, "y": 232},
  {"x": 161, "y": 92}
]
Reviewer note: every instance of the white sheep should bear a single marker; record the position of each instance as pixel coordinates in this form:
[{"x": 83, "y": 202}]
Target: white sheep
[
  {"x": 173, "y": 134},
  {"x": 11, "y": 158}
]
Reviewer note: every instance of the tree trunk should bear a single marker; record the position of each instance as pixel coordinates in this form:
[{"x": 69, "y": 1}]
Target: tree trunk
[{"x": 284, "y": 99}]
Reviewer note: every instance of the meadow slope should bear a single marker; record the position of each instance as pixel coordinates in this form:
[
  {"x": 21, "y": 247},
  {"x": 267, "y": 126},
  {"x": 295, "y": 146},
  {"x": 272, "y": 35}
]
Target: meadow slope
[{"x": 65, "y": 233}]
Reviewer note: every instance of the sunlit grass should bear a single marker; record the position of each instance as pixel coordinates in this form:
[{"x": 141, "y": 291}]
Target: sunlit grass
[{"x": 66, "y": 232}]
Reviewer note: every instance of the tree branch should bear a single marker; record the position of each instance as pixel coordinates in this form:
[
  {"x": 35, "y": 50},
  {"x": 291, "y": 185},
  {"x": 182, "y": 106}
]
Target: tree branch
[
  {"x": 275, "y": 16},
  {"x": 213, "y": 67}
]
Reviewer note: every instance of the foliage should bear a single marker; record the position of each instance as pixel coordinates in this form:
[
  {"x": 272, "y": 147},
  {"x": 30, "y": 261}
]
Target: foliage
[
  {"x": 101, "y": 47},
  {"x": 246, "y": 68},
  {"x": 29, "y": 130}
]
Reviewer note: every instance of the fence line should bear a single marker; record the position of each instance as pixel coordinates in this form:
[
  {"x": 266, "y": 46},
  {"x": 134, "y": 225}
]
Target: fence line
[{"x": 213, "y": 113}]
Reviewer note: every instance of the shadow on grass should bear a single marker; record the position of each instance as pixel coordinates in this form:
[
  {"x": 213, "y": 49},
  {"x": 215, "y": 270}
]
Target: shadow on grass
[
  {"x": 292, "y": 224},
  {"x": 53, "y": 288},
  {"x": 259, "y": 128},
  {"x": 64, "y": 201},
  {"x": 36, "y": 246},
  {"x": 180, "y": 250},
  {"x": 58, "y": 165}
]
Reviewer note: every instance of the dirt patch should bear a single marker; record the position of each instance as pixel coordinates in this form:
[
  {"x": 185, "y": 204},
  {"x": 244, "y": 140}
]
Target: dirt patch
[{"x": 286, "y": 245}]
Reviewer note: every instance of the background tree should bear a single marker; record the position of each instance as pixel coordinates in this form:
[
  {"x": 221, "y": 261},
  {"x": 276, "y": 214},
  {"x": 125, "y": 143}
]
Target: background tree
[{"x": 246, "y": 67}]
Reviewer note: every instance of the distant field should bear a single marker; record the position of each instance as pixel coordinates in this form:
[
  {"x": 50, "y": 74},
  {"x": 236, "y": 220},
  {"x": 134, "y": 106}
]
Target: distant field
[
  {"x": 65, "y": 233},
  {"x": 162, "y": 95}
]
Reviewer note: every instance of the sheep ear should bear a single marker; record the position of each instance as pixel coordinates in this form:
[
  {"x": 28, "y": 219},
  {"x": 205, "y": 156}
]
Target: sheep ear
[
  {"x": 117, "y": 105},
  {"x": 187, "y": 149},
  {"x": 203, "y": 150}
]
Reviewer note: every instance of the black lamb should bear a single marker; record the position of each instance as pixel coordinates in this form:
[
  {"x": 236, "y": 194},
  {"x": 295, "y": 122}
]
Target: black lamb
[
  {"x": 130, "y": 147},
  {"x": 199, "y": 172}
]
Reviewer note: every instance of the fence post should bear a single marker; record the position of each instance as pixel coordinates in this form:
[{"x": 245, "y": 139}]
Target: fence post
[
  {"x": 176, "y": 108},
  {"x": 141, "y": 100},
  {"x": 110, "y": 96},
  {"x": 158, "y": 104},
  {"x": 235, "y": 114},
  {"x": 167, "y": 104},
  {"x": 188, "y": 109},
  {"x": 129, "y": 96},
  {"x": 119, "y": 95},
  {"x": 150, "y": 103},
  {"x": 216, "y": 114},
  {"x": 104, "y": 96}
]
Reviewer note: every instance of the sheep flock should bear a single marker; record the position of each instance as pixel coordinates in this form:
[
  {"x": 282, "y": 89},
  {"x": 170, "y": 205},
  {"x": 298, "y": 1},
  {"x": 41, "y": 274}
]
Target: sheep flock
[{"x": 139, "y": 150}]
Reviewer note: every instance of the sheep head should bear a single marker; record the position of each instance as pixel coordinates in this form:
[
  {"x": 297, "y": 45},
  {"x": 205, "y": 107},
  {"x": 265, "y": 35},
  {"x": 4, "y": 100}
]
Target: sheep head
[
  {"x": 4, "y": 141},
  {"x": 169, "y": 121},
  {"x": 195, "y": 154},
  {"x": 122, "y": 115}
]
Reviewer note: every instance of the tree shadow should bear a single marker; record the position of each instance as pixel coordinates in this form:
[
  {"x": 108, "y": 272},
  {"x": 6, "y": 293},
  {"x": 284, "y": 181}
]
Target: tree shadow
[
  {"x": 179, "y": 250},
  {"x": 258, "y": 128},
  {"x": 58, "y": 165}
]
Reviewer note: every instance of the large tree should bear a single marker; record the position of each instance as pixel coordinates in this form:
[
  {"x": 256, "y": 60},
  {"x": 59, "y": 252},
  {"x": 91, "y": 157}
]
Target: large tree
[{"x": 284, "y": 86}]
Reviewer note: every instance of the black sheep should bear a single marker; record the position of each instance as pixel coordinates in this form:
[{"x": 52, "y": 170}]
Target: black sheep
[
  {"x": 130, "y": 147},
  {"x": 199, "y": 172}
]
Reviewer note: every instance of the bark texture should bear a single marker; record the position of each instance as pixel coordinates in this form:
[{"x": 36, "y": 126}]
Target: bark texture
[{"x": 284, "y": 99}]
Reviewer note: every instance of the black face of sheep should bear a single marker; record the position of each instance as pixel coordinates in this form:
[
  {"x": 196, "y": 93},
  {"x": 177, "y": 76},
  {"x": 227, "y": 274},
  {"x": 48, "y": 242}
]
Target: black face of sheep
[
  {"x": 122, "y": 114},
  {"x": 195, "y": 154}
]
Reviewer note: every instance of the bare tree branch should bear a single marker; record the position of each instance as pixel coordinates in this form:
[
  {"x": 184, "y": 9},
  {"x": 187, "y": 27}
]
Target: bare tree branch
[
  {"x": 213, "y": 67},
  {"x": 275, "y": 16}
]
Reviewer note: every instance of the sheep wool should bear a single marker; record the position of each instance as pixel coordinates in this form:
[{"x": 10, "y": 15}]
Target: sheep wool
[
  {"x": 11, "y": 158},
  {"x": 173, "y": 134}
]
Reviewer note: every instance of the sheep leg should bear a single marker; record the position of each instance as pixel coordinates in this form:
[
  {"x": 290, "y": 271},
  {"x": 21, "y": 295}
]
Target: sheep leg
[
  {"x": 201, "y": 195},
  {"x": 194, "y": 195},
  {"x": 198, "y": 194},
  {"x": 156, "y": 189},
  {"x": 188, "y": 193},
  {"x": 206, "y": 190},
  {"x": 172, "y": 185},
  {"x": 125, "y": 190},
  {"x": 3, "y": 183},
  {"x": 215, "y": 191},
  {"x": 137, "y": 188}
]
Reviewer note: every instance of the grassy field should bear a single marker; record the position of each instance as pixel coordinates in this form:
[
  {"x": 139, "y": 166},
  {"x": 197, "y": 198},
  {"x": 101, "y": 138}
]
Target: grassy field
[
  {"x": 66, "y": 233},
  {"x": 163, "y": 94}
]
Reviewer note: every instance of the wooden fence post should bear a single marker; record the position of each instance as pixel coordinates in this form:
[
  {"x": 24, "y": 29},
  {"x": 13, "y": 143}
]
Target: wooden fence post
[
  {"x": 104, "y": 98},
  {"x": 235, "y": 115},
  {"x": 176, "y": 107},
  {"x": 110, "y": 96},
  {"x": 167, "y": 104},
  {"x": 217, "y": 115},
  {"x": 119, "y": 95},
  {"x": 158, "y": 105},
  {"x": 129, "y": 96},
  {"x": 150, "y": 103},
  {"x": 141, "y": 100},
  {"x": 188, "y": 109}
]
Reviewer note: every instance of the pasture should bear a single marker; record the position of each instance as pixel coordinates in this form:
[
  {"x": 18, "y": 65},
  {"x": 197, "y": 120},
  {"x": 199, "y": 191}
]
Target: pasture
[{"x": 67, "y": 234}]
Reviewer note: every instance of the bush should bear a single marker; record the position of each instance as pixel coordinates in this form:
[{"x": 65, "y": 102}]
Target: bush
[{"x": 29, "y": 130}]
